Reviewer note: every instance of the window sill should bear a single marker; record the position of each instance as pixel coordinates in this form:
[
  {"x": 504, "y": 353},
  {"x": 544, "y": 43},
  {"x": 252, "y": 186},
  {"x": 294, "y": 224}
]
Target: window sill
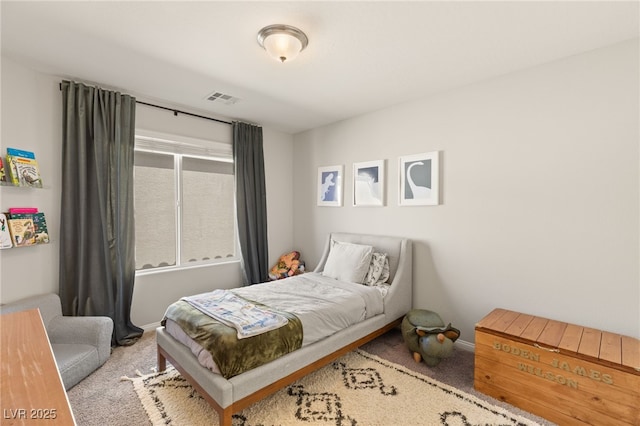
[{"x": 169, "y": 269}]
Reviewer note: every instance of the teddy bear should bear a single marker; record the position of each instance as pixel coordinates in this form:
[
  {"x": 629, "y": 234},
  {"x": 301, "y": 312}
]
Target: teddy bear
[
  {"x": 427, "y": 337},
  {"x": 288, "y": 265}
]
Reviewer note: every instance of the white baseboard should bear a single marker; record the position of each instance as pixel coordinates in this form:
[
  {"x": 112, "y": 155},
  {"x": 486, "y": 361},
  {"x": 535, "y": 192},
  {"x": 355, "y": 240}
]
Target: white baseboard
[
  {"x": 150, "y": 327},
  {"x": 466, "y": 346}
]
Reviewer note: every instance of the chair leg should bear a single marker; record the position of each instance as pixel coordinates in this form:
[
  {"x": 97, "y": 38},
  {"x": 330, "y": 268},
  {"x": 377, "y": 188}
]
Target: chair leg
[{"x": 162, "y": 361}]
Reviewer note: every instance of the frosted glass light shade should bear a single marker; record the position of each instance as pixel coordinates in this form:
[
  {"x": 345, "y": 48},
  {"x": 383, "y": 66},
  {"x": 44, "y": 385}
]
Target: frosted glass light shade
[
  {"x": 282, "y": 47},
  {"x": 282, "y": 42}
]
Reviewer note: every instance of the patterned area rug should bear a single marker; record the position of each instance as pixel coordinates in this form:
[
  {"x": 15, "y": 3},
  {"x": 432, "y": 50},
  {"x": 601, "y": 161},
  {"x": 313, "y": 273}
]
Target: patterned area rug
[{"x": 357, "y": 389}]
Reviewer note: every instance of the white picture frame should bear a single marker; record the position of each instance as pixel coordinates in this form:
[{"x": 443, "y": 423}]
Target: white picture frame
[
  {"x": 330, "y": 186},
  {"x": 368, "y": 183},
  {"x": 419, "y": 179}
]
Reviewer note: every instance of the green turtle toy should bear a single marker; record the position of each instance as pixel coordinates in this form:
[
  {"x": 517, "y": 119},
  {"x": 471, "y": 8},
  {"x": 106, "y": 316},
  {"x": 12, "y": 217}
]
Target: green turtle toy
[{"x": 427, "y": 337}]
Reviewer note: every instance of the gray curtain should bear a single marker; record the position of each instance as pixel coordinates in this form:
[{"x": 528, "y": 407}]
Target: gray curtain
[
  {"x": 251, "y": 201},
  {"x": 97, "y": 258}
]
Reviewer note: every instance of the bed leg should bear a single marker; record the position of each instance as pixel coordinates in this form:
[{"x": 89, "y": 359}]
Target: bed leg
[
  {"x": 162, "y": 361},
  {"x": 225, "y": 417}
]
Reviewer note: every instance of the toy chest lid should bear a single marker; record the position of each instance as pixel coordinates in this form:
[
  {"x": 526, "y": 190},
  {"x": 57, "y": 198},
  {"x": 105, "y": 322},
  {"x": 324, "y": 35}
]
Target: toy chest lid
[{"x": 614, "y": 350}]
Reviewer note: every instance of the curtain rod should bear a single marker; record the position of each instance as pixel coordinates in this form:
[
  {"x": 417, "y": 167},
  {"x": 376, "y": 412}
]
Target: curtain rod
[{"x": 177, "y": 111}]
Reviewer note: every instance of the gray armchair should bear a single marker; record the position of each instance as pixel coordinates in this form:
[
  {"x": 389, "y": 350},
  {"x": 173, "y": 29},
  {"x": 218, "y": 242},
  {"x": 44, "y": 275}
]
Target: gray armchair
[{"x": 80, "y": 344}]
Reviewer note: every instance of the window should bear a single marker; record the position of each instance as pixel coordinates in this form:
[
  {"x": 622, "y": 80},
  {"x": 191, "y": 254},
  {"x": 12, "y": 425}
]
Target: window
[{"x": 184, "y": 204}]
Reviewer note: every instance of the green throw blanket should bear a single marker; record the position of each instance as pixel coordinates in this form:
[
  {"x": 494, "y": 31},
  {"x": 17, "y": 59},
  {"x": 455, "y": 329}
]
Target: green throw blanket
[{"x": 232, "y": 355}]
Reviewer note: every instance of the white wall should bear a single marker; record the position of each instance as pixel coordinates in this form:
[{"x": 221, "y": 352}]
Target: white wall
[
  {"x": 31, "y": 119},
  {"x": 540, "y": 192},
  {"x": 540, "y": 189},
  {"x": 153, "y": 292}
]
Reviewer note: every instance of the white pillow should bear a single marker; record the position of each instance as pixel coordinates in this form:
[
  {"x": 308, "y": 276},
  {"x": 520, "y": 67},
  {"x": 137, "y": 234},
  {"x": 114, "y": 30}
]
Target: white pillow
[{"x": 348, "y": 262}]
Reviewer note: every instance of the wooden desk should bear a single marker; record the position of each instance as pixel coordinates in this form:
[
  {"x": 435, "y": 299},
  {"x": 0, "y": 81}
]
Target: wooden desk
[{"x": 31, "y": 390}]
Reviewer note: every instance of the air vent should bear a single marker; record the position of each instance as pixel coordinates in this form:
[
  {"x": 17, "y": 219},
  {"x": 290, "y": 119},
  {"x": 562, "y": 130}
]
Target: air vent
[{"x": 222, "y": 98}]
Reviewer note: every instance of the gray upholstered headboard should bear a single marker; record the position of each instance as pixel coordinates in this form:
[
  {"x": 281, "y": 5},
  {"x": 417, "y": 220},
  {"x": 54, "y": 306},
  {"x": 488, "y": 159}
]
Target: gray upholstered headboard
[{"x": 399, "y": 252}]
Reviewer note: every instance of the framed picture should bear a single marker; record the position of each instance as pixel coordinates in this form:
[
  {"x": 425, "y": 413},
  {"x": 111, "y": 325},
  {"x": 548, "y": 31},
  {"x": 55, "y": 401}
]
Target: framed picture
[
  {"x": 419, "y": 184},
  {"x": 368, "y": 183},
  {"x": 330, "y": 186}
]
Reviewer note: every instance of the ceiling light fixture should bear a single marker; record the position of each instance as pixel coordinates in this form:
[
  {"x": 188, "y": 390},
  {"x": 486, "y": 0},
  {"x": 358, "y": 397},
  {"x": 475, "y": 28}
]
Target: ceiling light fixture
[{"x": 282, "y": 42}]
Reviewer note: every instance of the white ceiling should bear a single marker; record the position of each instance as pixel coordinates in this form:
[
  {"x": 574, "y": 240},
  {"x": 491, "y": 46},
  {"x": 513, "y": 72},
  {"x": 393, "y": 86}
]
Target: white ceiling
[{"x": 362, "y": 56}]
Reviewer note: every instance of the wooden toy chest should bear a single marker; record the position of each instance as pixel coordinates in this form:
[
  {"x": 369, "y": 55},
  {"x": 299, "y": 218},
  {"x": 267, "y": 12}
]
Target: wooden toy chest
[{"x": 565, "y": 373}]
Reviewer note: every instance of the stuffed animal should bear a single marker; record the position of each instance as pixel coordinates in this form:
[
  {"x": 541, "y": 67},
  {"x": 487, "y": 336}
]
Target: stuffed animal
[
  {"x": 288, "y": 265},
  {"x": 427, "y": 337}
]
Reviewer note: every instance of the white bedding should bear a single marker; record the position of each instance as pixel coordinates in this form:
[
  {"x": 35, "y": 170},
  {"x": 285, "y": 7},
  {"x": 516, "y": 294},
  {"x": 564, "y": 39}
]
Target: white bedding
[{"x": 323, "y": 305}]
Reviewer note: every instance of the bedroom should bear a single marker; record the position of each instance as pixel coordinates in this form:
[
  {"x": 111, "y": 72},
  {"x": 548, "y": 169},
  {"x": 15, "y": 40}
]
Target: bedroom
[{"x": 540, "y": 182}]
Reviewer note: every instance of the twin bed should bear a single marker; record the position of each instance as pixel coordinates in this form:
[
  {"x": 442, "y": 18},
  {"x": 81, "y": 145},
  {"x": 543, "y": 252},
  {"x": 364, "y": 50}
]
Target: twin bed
[{"x": 314, "y": 302}]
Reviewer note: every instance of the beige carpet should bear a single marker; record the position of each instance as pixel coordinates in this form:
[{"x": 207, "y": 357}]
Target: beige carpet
[{"x": 357, "y": 389}]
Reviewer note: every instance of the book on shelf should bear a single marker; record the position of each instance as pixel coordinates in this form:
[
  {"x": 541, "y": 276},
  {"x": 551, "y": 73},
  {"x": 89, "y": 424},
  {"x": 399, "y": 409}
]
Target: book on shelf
[
  {"x": 16, "y": 210},
  {"x": 24, "y": 171},
  {"x": 22, "y": 168},
  {"x": 39, "y": 225},
  {"x": 22, "y": 232},
  {"x": 14, "y": 152},
  {"x": 12, "y": 174},
  {"x": 5, "y": 235},
  {"x": 3, "y": 173}
]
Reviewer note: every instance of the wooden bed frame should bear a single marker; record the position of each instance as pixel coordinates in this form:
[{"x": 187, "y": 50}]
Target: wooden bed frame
[{"x": 228, "y": 397}]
